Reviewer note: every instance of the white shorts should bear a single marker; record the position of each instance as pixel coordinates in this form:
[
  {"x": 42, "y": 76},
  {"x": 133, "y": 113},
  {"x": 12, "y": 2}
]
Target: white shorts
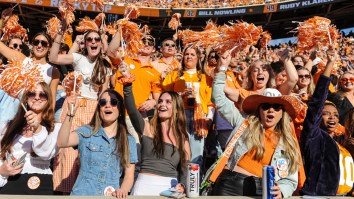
[{"x": 147, "y": 185}]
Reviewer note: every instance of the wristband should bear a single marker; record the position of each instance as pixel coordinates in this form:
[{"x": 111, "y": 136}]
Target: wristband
[{"x": 70, "y": 115}]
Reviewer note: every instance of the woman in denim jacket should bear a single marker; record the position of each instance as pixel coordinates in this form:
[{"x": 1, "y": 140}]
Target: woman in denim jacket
[
  {"x": 268, "y": 139},
  {"x": 106, "y": 149}
]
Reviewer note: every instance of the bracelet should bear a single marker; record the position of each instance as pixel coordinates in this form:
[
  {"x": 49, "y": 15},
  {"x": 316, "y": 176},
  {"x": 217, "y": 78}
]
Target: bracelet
[{"x": 70, "y": 115}]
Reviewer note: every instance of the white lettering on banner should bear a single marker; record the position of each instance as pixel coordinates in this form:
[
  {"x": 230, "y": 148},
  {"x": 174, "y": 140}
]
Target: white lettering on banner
[
  {"x": 80, "y": 5},
  {"x": 289, "y": 6},
  {"x": 314, "y": 2},
  {"x": 303, "y": 3},
  {"x": 221, "y": 12},
  {"x": 205, "y": 13}
]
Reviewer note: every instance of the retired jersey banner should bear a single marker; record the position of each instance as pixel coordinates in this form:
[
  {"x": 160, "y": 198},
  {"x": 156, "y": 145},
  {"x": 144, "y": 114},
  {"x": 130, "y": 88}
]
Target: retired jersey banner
[{"x": 185, "y": 12}]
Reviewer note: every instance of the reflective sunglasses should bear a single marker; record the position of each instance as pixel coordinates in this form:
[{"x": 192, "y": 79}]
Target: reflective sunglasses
[
  {"x": 42, "y": 95},
  {"x": 43, "y": 43},
  {"x": 304, "y": 76},
  {"x": 345, "y": 80},
  {"x": 90, "y": 39},
  {"x": 148, "y": 42},
  {"x": 103, "y": 102},
  {"x": 17, "y": 45},
  {"x": 267, "y": 106},
  {"x": 168, "y": 45}
]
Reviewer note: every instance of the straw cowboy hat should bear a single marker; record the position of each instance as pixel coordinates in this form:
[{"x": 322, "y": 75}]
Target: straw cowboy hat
[{"x": 270, "y": 95}]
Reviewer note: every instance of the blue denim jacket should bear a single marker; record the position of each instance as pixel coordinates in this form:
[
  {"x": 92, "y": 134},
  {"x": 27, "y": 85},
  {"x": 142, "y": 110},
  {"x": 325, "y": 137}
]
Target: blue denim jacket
[
  {"x": 100, "y": 164},
  {"x": 228, "y": 110}
]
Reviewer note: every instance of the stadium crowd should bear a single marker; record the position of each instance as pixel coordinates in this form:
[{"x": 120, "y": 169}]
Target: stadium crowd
[{"x": 103, "y": 121}]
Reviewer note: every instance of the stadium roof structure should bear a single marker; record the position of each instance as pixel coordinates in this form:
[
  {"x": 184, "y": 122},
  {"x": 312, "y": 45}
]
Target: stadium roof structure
[{"x": 277, "y": 18}]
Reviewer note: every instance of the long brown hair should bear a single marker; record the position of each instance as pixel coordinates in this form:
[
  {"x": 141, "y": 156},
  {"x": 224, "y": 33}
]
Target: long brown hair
[
  {"x": 250, "y": 83},
  {"x": 15, "y": 126},
  {"x": 200, "y": 68},
  {"x": 178, "y": 125},
  {"x": 102, "y": 66},
  {"x": 122, "y": 145}
]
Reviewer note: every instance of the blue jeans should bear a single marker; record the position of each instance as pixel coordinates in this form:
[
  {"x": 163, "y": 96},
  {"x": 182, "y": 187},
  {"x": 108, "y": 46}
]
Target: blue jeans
[
  {"x": 58, "y": 105},
  {"x": 8, "y": 107},
  {"x": 196, "y": 142}
]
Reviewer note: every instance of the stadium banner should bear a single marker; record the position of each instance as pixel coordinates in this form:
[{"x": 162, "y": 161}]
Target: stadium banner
[{"x": 185, "y": 12}]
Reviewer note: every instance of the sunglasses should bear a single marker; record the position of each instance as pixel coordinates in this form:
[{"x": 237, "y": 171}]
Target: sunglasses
[
  {"x": 17, "y": 45},
  {"x": 168, "y": 45},
  {"x": 42, "y": 95},
  {"x": 82, "y": 43},
  {"x": 344, "y": 80},
  {"x": 148, "y": 42},
  {"x": 90, "y": 39},
  {"x": 304, "y": 76},
  {"x": 103, "y": 102},
  {"x": 267, "y": 106},
  {"x": 43, "y": 43}
]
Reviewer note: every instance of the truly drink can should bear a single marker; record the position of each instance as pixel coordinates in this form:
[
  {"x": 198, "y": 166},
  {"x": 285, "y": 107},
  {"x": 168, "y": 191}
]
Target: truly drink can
[
  {"x": 193, "y": 180},
  {"x": 267, "y": 182}
]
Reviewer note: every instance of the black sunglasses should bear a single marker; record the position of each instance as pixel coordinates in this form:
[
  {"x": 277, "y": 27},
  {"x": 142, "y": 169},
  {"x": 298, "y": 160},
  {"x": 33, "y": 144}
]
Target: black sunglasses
[
  {"x": 304, "y": 76},
  {"x": 90, "y": 39},
  {"x": 148, "y": 42},
  {"x": 42, "y": 95},
  {"x": 168, "y": 45},
  {"x": 103, "y": 102},
  {"x": 17, "y": 45},
  {"x": 276, "y": 107},
  {"x": 43, "y": 43}
]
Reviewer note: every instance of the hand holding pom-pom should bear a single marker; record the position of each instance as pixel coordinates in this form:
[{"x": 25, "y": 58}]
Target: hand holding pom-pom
[{"x": 124, "y": 69}]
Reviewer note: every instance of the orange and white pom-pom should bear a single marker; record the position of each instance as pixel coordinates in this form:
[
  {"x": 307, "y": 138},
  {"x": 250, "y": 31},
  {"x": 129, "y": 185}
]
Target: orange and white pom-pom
[
  {"x": 99, "y": 19},
  {"x": 13, "y": 29},
  {"x": 237, "y": 36},
  {"x": 208, "y": 37},
  {"x": 18, "y": 77},
  {"x": 72, "y": 83},
  {"x": 131, "y": 12},
  {"x": 53, "y": 27},
  {"x": 266, "y": 38},
  {"x": 86, "y": 24},
  {"x": 316, "y": 32},
  {"x": 132, "y": 36},
  {"x": 111, "y": 29},
  {"x": 67, "y": 14},
  {"x": 175, "y": 21}
]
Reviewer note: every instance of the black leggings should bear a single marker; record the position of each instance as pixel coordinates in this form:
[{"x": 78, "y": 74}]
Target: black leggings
[{"x": 231, "y": 183}]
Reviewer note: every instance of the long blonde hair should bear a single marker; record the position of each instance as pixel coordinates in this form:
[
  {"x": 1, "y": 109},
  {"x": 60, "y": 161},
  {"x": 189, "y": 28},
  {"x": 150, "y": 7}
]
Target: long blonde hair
[{"x": 255, "y": 139}]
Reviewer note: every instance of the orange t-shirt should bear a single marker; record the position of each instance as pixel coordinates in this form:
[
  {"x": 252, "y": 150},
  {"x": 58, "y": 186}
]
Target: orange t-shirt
[
  {"x": 147, "y": 81},
  {"x": 256, "y": 167},
  {"x": 346, "y": 166}
]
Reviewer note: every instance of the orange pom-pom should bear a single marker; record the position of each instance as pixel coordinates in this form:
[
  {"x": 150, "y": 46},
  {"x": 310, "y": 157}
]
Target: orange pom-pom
[
  {"x": 316, "y": 31},
  {"x": 13, "y": 29},
  {"x": 86, "y": 24},
  {"x": 111, "y": 29},
  {"x": 72, "y": 83},
  {"x": 99, "y": 19},
  {"x": 175, "y": 21},
  {"x": 132, "y": 36},
  {"x": 53, "y": 27},
  {"x": 18, "y": 77},
  {"x": 131, "y": 12},
  {"x": 237, "y": 36}
]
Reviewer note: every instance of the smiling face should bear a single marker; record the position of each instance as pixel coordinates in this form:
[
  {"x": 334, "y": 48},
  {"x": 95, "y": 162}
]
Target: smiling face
[
  {"x": 37, "y": 99},
  {"x": 40, "y": 46},
  {"x": 347, "y": 82},
  {"x": 190, "y": 58},
  {"x": 304, "y": 78},
  {"x": 259, "y": 75},
  {"x": 168, "y": 48},
  {"x": 148, "y": 47},
  {"x": 165, "y": 106},
  {"x": 270, "y": 115},
  {"x": 280, "y": 78},
  {"x": 93, "y": 44},
  {"x": 108, "y": 105},
  {"x": 330, "y": 119}
]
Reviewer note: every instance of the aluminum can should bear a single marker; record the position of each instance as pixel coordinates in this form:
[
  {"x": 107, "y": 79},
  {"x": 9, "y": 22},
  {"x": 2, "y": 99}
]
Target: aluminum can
[
  {"x": 193, "y": 180},
  {"x": 267, "y": 182}
]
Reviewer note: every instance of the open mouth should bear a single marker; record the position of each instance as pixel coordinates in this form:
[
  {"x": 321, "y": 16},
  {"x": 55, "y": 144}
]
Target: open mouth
[
  {"x": 108, "y": 112},
  {"x": 331, "y": 124},
  {"x": 260, "y": 79},
  {"x": 162, "y": 109}
]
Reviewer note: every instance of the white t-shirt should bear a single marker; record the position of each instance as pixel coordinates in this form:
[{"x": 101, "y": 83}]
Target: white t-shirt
[{"x": 85, "y": 66}]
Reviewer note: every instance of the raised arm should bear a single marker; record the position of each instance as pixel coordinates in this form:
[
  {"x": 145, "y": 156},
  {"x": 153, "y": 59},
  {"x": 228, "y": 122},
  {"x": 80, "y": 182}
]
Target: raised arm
[
  {"x": 134, "y": 115},
  {"x": 114, "y": 44},
  {"x": 54, "y": 56},
  {"x": 66, "y": 138},
  {"x": 11, "y": 54},
  {"x": 289, "y": 84}
]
